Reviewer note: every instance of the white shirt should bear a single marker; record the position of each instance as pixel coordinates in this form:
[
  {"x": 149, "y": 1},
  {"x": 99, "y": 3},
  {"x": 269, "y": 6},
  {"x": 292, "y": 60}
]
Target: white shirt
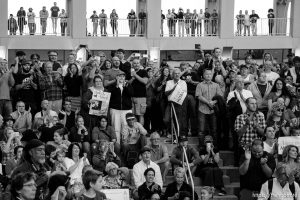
[
  {"x": 138, "y": 173},
  {"x": 76, "y": 176},
  {"x": 170, "y": 85},
  {"x": 246, "y": 94},
  {"x": 268, "y": 148},
  {"x": 278, "y": 193},
  {"x": 272, "y": 76},
  {"x": 42, "y": 114}
]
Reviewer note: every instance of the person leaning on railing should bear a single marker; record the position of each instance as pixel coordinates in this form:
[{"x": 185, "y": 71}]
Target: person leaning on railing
[{"x": 63, "y": 21}]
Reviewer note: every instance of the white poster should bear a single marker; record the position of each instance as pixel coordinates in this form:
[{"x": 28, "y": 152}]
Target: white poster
[
  {"x": 285, "y": 141},
  {"x": 178, "y": 95},
  {"x": 116, "y": 194},
  {"x": 99, "y": 103}
]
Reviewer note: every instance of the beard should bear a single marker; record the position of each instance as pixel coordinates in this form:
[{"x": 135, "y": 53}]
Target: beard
[{"x": 26, "y": 71}]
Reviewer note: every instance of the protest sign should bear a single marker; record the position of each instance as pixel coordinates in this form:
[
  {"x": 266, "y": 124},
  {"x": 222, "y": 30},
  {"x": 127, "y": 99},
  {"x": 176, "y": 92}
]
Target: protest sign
[
  {"x": 285, "y": 141},
  {"x": 116, "y": 194},
  {"x": 178, "y": 95},
  {"x": 99, "y": 103}
]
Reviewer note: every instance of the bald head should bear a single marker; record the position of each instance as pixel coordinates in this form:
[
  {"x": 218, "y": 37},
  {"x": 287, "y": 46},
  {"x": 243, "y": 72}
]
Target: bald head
[{"x": 116, "y": 62}]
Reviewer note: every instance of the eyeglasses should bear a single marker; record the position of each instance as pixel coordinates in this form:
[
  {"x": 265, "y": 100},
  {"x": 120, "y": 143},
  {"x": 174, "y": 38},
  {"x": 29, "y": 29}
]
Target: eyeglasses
[
  {"x": 155, "y": 138},
  {"x": 30, "y": 185},
  {"x": 280, "y": 110}
]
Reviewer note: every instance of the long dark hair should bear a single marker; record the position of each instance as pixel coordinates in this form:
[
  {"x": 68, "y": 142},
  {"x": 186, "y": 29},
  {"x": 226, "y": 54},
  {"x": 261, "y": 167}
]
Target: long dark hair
[
  {"x": 70, "y": 150},
  {"x": 285, "y": 91},
  {"x": 69, "y": 68}
]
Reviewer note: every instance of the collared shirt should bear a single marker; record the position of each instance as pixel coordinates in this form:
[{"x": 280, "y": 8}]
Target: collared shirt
[
  {"x": 158, "y": 152},
  {"x": 52, "y": 90},
  {"x": 279, "y": 192},
  {"x": 138, "y": 173},
  {"x": 103, "y": 18},
  {"x": 208, "y": 90},
  {"x": 250, "y": 133},
  {"x": 130, "y": 135}
]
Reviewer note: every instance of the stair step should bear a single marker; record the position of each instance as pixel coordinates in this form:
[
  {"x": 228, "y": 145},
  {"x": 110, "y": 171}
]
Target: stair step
[
  {"x": 233, "y": 188},
  {"x": 227, "y": 157},
  {"x": 232, "y": 172}
]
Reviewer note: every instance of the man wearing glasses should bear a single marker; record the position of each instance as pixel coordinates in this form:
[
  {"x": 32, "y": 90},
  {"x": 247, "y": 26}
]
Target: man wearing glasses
[
  {"x": 34, "y": 161},
  {"x": 56, "y": 66}
]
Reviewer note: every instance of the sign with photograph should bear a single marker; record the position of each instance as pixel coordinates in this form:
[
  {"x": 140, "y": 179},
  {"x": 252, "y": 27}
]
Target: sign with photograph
[{"x": 99, "y": 103}]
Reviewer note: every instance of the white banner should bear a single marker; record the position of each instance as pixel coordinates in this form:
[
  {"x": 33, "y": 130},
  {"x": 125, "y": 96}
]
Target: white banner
[
  {"x": 116, "y": 194},
  {"x": 99, "y": 103},
  {"x": 178, "y": 95},
  {"x": 285, "y": 141}
]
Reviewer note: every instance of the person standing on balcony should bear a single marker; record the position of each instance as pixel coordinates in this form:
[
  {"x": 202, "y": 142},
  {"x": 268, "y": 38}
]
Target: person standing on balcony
[
  {"x": 170, "y": 22},
  {"x": 253, "y": 20},
  {"x": 214, "y": 22},
  {"x": 240, "y": 22},
  {"x": 180, "y": 17},
  {"x": 63, "y": 21},
  {"x": 12, "y": 25},
  {"x": 44, "y": 14},
  {"x": 103, "y": 23},
  {"x": 187, "y": 20},
  {"x": 271, "y": 17},
  {"x": 31, "y": 21},
  {"x": 54, "y": 15},
  {"x": 206, "y": 21},
  {"x": 199, "y": 22},
  {"x": 21, "y": 19},
  {"x": 95, "y": 19},
  {"x": 175, "y": 16},
  {"x": 194, "y": 22},
  {"x": 246, "y": 23},
  {"x": 163, "y": 17},
  {"x": 132, "y": 23},
  {"x": 142, "y": 23},
  {"x": 114, "y": 22}
]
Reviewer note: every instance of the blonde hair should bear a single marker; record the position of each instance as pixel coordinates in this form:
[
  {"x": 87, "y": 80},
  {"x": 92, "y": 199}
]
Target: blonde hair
[{"x": 179, "y": 170}]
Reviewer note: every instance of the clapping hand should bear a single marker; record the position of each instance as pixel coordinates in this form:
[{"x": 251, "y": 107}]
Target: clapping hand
[
  {"x": 263, "y": 160},
  {"x": 248, "y": 154}
]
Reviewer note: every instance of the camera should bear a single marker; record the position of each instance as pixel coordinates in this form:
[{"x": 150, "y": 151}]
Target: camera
[{"x": 82, "y": 131}]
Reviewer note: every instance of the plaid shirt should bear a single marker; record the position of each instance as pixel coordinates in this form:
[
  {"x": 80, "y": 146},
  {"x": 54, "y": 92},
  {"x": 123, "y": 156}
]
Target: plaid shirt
[
  {"x": 52, "y": 90},
  {"x": 250, "y": 133}
]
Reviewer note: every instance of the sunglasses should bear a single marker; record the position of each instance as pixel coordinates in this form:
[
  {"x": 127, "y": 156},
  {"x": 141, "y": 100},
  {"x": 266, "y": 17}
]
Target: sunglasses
[{"x": 281, "y": 110}]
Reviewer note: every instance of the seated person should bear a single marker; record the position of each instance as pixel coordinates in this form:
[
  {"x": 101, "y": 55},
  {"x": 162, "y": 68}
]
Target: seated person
[
  {"x": 104, "y": 132},
  {"x": 193, "y": 156},
  {"x": 149, "y": 187},
  {"x": 46, "y": 111},
  {"x": 92, "y": 182},
  {"x": 209, "y": 171},
  {"x": 140, "y": 167},
  {"x": 113, "y": 179},
  {"x": 14, "y": 162},
  {"x": 207, "y": 192},
  {"x": 270, "y": 143},
  {"x": 133, "y": 135},
  {"x": 174, "y": 189},
  {"x": 79, "y": 133},
  {"x": 23, "y": 118},
  {"x": 59, "y": 142},
  {"x": 159, "y": 153},
  {"x": 104, "y": 154}
]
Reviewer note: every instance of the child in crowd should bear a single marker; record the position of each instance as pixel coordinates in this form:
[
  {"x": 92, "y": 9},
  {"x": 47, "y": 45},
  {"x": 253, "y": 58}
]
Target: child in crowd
[
  {"x": 59, "y": 162},
  {"x": 206, "y": 193}
]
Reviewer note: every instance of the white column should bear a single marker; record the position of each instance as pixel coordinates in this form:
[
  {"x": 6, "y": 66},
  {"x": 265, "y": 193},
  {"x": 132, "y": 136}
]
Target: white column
[
  {"x": 153, "y": 19},
  {"x": 78, "y": 17},
  {"x": 3, "y": 18},
  {"x": 227, "y": 19},
  {"x": 295, "y": 18}
]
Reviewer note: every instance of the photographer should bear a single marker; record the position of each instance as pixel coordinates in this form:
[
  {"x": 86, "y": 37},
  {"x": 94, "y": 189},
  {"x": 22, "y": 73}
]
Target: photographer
[
  {"x": 80, "y": 134},
  {"x": 209, "y": 171}
]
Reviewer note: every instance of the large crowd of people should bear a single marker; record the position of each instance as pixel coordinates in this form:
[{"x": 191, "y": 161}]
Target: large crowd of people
[{"x": 62, "y": 138}]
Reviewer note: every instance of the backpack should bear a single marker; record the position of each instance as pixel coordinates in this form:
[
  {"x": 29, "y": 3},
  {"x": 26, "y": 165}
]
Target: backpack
[
  {"x": 234, "y": 107},
  {"x": 270, "y": 187}
]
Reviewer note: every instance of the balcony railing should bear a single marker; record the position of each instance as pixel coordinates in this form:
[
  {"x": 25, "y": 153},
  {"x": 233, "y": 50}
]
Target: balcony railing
[
  {"x": 117, "y": 28},
  {"x": 263, "y": 27},
  {"x": 189, "y": 28},
  {"x": 39, "y": 26}
]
